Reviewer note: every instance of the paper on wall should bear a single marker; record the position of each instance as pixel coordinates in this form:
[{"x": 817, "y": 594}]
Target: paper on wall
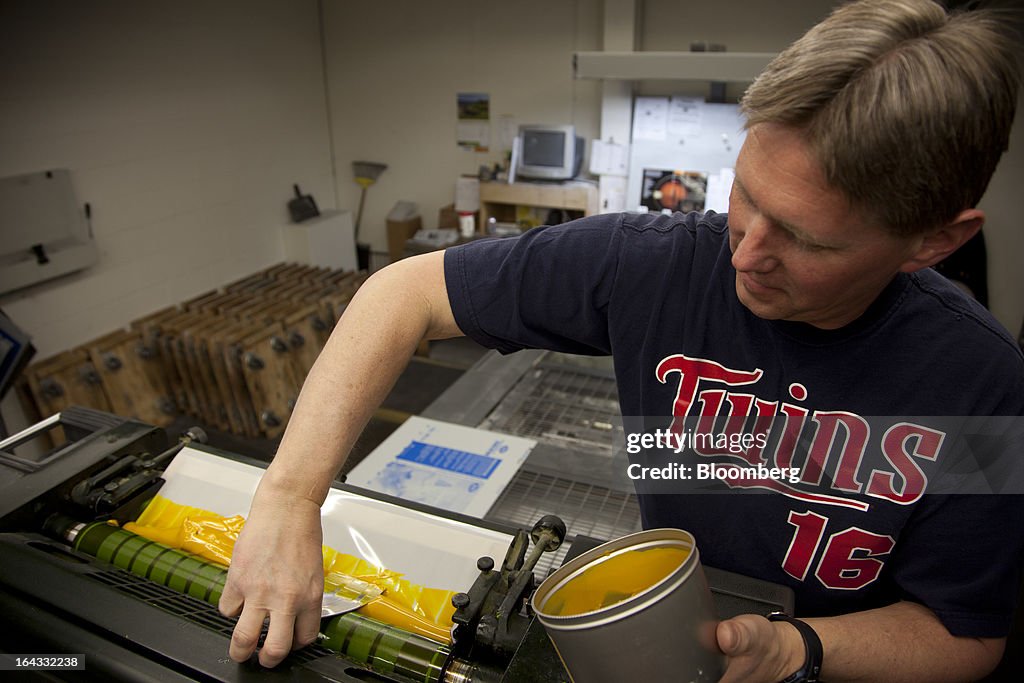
[
  {"x": 719, "y": 187},
  {"x": 684, "y": 116},
  {"x": 650, "y": 118},
  {"x": 608, "y": 158}
]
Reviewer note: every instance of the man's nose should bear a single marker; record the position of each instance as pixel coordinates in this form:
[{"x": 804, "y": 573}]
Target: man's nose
[{"x": 755, "y": 248}]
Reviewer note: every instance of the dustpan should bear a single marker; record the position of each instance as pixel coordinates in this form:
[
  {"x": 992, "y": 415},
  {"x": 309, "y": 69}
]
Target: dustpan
[{"x": 302, "y": 207}]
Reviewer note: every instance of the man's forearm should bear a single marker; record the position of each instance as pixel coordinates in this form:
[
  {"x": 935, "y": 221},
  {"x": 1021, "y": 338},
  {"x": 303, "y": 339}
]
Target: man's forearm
[
  {"x": 365, "y": 354},
  {"x": 901, "y": 642}
]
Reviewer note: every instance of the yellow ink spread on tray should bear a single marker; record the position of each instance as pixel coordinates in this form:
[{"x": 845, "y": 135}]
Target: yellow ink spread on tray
[
  {"x": 615, "y": 579},
  {"x": 418, "y": 609}
]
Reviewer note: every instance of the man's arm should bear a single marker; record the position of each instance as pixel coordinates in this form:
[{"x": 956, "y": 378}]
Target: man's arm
[
  {"x": 277, "y": 567},
  {"x": 901, "y": 642}
]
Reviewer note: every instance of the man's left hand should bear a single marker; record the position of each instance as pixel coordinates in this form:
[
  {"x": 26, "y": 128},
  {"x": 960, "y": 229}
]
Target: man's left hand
[{"x": 758, "y": 650}]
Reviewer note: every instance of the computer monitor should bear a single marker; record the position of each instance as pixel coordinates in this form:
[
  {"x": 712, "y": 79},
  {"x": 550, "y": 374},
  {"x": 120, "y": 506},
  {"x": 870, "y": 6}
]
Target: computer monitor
[{"x": 549, "y": 152}]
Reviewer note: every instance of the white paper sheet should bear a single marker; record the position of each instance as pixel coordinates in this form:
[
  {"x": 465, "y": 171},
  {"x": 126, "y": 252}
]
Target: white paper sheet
[
  {"x": 650, "y": 118},
  {"x": 684, "y": 116},
  {"x": 608, "y": 158},
  {"x": 719, "y": 187},
  {"x": 429, "y": 550}
]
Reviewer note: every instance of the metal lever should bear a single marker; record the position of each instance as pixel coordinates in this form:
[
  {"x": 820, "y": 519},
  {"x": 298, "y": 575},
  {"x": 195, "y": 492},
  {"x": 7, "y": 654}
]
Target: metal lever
[
  {"x": 547, "y": 534},
  {"x": 190, "y": 435},
  {"x": 125, "y": 477}
]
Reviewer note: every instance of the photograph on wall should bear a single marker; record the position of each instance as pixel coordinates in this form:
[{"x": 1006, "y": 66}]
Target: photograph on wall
[
  {"x": 673, "y": 190},
  {"x": 474, "y": 127}
]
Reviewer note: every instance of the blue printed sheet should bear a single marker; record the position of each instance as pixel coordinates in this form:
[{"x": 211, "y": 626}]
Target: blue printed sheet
[{"x": 456, "y": 468}]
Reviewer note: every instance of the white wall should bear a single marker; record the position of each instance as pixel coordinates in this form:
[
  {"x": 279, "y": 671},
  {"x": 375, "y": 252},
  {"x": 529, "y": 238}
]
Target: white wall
[
  {"x": 740, "y": 25},
  {"x": 394, "y": 69},
  {"x": 184, "y": 124}
]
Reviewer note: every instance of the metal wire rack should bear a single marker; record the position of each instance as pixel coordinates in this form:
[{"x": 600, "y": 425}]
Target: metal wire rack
[
  {"x": 586, "y": 509},
  {"x": 562, "y": 406},
  {"x": 572, "y": 408}
]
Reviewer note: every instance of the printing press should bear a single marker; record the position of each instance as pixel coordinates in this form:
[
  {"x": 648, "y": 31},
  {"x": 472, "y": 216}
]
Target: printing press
[{"x": 136, "y": 619}]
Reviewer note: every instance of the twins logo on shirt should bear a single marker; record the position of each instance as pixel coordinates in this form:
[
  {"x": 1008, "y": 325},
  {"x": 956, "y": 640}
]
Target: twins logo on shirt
[{"x": 815, "y": 441}]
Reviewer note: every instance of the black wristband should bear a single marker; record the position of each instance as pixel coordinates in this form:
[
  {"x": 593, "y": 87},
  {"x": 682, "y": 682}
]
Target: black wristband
[{"x": 811, "y": 669}]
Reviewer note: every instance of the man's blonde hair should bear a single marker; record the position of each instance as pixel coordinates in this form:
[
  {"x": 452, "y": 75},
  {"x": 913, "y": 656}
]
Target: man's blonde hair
[{"x": 907, "y": 108}]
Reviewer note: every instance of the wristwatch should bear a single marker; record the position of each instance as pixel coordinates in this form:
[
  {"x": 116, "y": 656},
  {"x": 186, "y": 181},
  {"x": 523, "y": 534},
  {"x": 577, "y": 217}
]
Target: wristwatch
[{"x": 809, "y": 672}]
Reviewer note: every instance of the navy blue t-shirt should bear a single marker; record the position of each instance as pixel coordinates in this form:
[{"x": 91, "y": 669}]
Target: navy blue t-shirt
[{"x": 861, "y": 527}]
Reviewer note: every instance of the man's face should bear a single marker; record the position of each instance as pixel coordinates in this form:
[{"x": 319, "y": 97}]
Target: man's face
[{"x": 800, "y": 252}]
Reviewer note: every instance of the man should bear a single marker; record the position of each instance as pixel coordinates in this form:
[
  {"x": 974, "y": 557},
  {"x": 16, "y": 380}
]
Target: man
[{"x": 870, "y": 141}]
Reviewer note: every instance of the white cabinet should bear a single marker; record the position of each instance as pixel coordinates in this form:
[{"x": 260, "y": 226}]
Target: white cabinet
[{"x": 325, "y": 241}]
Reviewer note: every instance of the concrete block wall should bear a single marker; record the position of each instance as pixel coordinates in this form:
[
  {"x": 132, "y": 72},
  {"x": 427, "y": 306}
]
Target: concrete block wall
[
  {"x": 184, "y": 125},
  {"x": 394, "y": 69}
]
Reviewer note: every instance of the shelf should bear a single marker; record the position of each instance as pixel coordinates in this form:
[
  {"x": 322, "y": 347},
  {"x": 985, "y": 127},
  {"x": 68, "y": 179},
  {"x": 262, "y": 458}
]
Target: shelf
[{"x": 499, "y": 199}]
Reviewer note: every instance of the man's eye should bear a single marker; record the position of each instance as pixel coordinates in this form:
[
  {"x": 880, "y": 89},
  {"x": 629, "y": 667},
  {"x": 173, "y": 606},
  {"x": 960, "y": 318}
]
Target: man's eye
[{"x": 810, "y": 246}]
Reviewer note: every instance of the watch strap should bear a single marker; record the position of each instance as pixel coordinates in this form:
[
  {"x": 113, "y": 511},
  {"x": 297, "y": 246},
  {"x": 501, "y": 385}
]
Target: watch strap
[{"x": 811, "y": 669}]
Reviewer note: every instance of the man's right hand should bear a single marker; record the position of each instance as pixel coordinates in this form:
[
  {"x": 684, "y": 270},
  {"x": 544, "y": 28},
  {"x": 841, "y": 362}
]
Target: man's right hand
[{"x": 277, "y": 573}]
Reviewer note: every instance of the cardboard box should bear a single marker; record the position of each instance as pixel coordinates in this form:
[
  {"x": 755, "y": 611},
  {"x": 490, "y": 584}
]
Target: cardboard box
[
  {"x": 447, "y": 218},
  {"x": 402, "y": 223},
  {"x": 398, "y": 233}
]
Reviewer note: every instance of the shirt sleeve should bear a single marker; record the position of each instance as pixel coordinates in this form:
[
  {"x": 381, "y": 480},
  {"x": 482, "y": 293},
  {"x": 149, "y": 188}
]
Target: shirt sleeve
[
  {"x": 546, "y": 289},
  {"x": 957, "y": 559}
]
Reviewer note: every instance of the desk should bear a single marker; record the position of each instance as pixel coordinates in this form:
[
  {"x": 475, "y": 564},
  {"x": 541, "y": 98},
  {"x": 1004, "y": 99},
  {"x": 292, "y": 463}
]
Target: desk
[
  {"x": 499, "y": 200},
  {"x": 414, "y": 248}
]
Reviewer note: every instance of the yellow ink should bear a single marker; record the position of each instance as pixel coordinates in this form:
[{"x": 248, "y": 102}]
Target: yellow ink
[
  {"x": 409, "y": 606},
  {"x": 615, "y": 579}
]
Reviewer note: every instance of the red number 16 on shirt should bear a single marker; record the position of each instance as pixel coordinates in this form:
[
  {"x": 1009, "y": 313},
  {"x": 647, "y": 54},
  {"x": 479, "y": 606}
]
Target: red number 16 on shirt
[{"x": 849, "y": 561}]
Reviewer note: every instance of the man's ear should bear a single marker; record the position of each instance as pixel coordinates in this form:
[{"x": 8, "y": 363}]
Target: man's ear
[{"x": 938, "y": 243}]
